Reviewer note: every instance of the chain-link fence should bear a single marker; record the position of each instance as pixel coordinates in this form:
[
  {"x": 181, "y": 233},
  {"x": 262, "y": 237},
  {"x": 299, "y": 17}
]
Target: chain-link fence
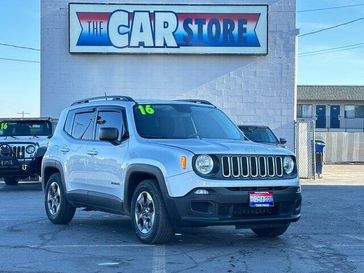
[{"x": 305, "y": 147}]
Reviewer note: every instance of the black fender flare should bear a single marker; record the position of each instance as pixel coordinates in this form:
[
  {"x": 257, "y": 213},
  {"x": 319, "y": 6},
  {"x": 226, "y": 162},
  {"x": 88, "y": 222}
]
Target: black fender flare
[
  {"x": 54, "y": 165},
  {"x": 148, "y": 170}
]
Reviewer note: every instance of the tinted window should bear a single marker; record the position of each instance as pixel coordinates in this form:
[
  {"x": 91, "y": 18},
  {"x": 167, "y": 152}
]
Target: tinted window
[
  {"x": 183, "y": 121},
  {"x": 83, "y": 125},
  {"x": 258, "y": 134},
  {"x": 113, "y": 119},
  {"x": 25, "y": 128},
  {"x": 68, "y": 123}
]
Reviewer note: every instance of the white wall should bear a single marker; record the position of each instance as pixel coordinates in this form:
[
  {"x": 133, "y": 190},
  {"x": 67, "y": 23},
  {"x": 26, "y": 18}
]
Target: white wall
[{"x": 251, "y": 89}]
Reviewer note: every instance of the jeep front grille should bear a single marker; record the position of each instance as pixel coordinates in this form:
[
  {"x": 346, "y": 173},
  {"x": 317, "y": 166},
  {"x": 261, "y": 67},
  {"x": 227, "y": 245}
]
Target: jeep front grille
[
  {"x": 19, "y": 151},
  {"x": 252, "y": 166}
]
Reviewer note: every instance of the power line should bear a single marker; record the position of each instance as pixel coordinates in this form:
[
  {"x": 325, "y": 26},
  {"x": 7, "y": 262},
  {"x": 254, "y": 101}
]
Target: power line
[
  {"x": 330, "y": 8},
  {"x": 19, "y": 60},
  {"x": 332, "y": 27},
  {"x": 331, "y": 51},
  {"x": 21, "y": 47}
]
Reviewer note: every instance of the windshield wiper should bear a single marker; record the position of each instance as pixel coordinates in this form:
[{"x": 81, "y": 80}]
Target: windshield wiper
[{"x": 9, "y": 136}]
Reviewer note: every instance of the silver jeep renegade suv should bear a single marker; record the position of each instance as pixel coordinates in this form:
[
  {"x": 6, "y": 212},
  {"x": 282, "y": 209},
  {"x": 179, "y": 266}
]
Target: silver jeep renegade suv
[{"x": 167, "y": 164}]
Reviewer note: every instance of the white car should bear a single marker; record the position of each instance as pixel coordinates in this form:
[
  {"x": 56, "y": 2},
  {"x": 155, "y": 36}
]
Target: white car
[{"x": 166, "y": 164}]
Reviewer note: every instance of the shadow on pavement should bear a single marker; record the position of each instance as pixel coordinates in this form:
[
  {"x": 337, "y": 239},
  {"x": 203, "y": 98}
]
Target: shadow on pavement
[{"x": 22, "y": 186}]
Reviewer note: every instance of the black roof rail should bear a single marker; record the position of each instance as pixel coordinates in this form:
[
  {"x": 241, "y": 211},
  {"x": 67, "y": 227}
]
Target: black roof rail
[
  {"x": 124, "y": 98},
  {"x": 197, "y": 101}
]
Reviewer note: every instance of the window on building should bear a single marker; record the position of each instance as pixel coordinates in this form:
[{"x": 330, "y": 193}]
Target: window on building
[
  {"x": 304, "y": 111},
  {"x": 354, "y": 111}
]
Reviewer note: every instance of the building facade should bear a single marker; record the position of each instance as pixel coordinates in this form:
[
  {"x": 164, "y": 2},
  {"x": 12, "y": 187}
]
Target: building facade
[
  {"x": 252, "y": 87},
  {"x": 335, "y": 108},
  {"x": 338, "y": 115}
]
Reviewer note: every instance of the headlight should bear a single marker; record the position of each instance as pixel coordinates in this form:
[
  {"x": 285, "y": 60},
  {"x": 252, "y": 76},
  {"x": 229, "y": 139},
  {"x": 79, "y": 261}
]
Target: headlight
[
  {"x": 204, "y": 164},
  {"x": 30, "y": 149},
  {"x": 288, "y": 164}
]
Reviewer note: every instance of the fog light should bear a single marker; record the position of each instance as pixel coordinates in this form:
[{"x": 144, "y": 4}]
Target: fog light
[
  {"x": 201, "y": 191},
  {"x": 299, "y": 189}
]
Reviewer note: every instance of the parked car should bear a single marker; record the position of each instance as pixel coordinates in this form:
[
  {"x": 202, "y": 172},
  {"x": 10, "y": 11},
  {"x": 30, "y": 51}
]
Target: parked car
[
  {"x": 261, "y": 134},
  {"x": 166, "y": 164},
  {"x": 23, "y": 142}
]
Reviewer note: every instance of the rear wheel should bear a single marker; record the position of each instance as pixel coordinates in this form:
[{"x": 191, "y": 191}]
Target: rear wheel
[
  {"x": 11, "y": 181},
  {"x": 270, "y": 232},
  {"x": 58, "y": 209},
  {"x": 149, "y": 216}
]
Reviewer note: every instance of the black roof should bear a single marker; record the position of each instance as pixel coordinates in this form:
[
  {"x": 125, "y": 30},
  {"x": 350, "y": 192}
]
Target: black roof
[{"x": 330, "y": 92}]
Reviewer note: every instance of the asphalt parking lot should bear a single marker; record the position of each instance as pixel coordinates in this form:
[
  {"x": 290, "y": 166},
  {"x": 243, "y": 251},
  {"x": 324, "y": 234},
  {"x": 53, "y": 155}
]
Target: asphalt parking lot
[{"x": 328, "y": 238}]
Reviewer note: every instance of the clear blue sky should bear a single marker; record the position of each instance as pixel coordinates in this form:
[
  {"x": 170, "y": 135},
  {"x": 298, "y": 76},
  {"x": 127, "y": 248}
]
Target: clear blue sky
[{"x": 20, "y": 24}]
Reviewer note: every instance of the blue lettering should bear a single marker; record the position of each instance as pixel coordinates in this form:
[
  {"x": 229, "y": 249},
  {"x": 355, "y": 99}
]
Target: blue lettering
[
  {"x": 200, "y": 23},
  {"x": 186, "y": 26},
  {"x": 228, "y": 28},
  {"x": 212, "y": 35},
  {"x": 242, "y": 30}
]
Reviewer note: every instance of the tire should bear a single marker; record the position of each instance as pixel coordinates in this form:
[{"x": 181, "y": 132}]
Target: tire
[
  {"x": 58, "y": 209},
  {"x": 270, "y": 232},
  {"x": 11, "y": 181},
  {"x": 152, "y": 227}
]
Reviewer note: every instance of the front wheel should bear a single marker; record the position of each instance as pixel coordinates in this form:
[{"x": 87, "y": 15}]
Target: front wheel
[
  {"x": 11, "y": 181},
  {"x": 270, "y": 232},
  {"x": 149, "y": 216},
  {"x": 58, "y": 210}
]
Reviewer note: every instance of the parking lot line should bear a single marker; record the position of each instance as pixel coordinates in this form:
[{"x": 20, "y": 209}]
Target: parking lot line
[{"x": 89, "y": 246}]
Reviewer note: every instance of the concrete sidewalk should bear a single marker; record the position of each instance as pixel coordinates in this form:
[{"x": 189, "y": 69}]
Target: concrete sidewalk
[{"x": 339, "y": 174}]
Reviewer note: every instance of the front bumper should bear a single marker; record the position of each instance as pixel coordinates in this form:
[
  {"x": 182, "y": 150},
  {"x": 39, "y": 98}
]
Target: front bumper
[
  {"x": 230, "y": 206},
  {"x": 19, "y": 168}
]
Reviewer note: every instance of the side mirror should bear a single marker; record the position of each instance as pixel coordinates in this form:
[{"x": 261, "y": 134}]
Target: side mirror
[
  {"x": 109, "y": 134},
  {"x": 282, "y": 141}
]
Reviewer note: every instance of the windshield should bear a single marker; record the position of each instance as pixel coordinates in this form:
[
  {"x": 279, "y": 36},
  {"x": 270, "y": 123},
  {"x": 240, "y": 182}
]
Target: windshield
[
  {"x": 181, "y": 121},
  {"x": 259, "y": 134},
  {"x": 25, "y": 128}
]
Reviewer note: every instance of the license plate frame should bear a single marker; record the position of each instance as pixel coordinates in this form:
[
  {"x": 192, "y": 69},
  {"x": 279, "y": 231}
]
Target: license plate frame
[
  {"x": 261, "y": 199},
  {"x": 4, "y": 163}
]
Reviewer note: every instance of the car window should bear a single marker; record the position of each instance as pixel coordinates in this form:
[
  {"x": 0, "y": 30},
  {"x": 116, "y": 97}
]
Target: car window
[
  {"x": 68, "y": 123},
  {"x": 257, "y": 134},
  {"x": 109, "y": 119},
  {"x": 25, "y": 128},
  {"x": 83, "y": 125}
]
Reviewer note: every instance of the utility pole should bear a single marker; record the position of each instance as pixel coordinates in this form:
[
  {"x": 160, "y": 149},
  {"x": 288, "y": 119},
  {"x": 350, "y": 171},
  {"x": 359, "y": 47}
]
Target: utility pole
[{"x": 23, "y": 114}]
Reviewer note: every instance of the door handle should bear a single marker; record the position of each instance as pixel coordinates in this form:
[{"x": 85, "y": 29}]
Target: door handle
[
  {"x": 65, "y": 149},
  {"x": 92, "y": 152}
]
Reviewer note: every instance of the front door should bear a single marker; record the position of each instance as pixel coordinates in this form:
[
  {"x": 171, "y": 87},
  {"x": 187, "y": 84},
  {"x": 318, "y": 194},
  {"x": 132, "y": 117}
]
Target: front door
[
  {"x": 107, "y": 159},
  {"x": 334, "y": 116},
  {"x": 321, "y": 116}
]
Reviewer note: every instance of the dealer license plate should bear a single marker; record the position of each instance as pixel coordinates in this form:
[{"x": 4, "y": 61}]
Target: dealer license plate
[
  {"x": 6, "y": 163},
  {"x": 261, "y": 199}
]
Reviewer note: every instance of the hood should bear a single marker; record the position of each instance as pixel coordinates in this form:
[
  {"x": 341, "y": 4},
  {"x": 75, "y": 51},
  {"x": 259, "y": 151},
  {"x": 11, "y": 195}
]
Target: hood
[
  {"x": 41, "y": 140},
  {"x": 223, "y": 146}
]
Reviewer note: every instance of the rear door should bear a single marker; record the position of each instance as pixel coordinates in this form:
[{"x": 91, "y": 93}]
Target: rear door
[{"x": 76, "y": 157}]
